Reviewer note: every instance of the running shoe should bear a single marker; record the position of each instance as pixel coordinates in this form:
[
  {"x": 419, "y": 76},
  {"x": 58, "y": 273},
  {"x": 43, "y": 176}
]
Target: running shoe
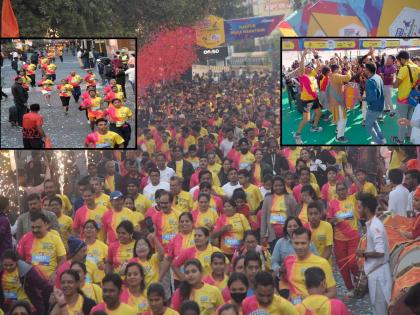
[
  {"x": 316, "y": 129},
  {"x": 396, "y": 140},
  {"x": 341, "y": 139},
  {"x": 298, "y": 138}
]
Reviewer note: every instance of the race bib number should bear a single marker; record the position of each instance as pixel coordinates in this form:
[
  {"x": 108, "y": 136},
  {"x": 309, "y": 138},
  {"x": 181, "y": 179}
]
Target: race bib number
[
  {"x": 232, "y": 242},
  {"x": 103, "y": 145},
  {"x": 348, "y": 215},
  {"x": 296, "y": 300},
  {"x": 93, "y": 259},
  {"x": 8, "y": 295},
  {"x": 41, "y": 259},
  {"x": 277, "y": 219},
  {"x": 168, "y": 237}
]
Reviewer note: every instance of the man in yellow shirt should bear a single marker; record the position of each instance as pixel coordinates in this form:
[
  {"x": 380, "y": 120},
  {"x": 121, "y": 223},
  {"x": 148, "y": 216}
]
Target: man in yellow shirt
[
  {"x": 322, "y": 231},
  {"x": 41, "y": 247},
  {"x": 360, "y": 184},
  {"x": 65, "y": 222},
  {"x": 295, "y": 265},
  {"x": 253, "y": 193},
  {"x": 264, "y": 297},
  {"x": 404, "y": 84},
  {"x": 141, "y": 203},
  {"x": 183, "y": 201}
]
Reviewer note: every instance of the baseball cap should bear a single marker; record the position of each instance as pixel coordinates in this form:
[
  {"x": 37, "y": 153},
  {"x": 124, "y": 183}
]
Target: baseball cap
[{"x": 116, "y": 194}]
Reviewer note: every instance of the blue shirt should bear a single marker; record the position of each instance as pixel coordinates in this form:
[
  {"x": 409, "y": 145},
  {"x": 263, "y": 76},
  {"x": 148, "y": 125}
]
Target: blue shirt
[
  {"x": 375, "y": 93},
  {"x": 284, "y": 248}
]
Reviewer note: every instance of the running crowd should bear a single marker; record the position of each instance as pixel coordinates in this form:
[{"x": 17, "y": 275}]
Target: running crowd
[
  {"x": 147, "y": 234},
  {"x": 104, "y": 109},
  {"x": 335, "y": 85}
]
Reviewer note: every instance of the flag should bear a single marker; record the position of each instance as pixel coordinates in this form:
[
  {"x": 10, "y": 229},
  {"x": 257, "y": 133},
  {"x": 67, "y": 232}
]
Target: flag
[{"x": 9, "y": 25}]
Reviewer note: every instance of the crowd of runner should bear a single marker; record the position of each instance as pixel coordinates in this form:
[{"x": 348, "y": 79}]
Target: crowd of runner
[
  {"x": 105, "y": 109},
  {"x": 330, "y": 88},
  {"x": 255, "y": 229}
]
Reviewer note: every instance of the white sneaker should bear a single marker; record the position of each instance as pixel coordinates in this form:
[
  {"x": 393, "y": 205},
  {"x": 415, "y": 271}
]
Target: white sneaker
[{"x": 49, "y": 105}]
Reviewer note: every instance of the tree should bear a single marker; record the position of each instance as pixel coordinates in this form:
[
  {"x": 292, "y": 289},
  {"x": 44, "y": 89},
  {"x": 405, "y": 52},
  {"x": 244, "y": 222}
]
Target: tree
[{"x": 112, "y": 18}]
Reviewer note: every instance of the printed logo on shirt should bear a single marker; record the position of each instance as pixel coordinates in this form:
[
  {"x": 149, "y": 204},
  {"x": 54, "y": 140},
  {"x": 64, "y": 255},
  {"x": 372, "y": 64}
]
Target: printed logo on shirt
[
  {"x": 321, "y": 238},
  {"x": 47, "y": 246},
  {"x": 41, "y": 259},
  {"x": 345, "y": 215}
]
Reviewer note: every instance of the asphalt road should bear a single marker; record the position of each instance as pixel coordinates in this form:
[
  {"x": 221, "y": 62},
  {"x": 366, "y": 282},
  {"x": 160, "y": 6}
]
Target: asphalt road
[{"x": 65, "y": 131}]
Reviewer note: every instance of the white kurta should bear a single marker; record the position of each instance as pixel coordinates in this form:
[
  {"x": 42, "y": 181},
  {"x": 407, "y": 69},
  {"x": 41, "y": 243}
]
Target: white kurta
[{"x": 379, "y": 278}]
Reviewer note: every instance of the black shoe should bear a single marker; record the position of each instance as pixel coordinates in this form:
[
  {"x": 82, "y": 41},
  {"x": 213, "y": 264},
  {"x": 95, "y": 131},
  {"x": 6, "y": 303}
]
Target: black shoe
[
  {"x": 396, "y": 140},
  {"x": 341, "y": 139},
  {"x": 392, "y": 114}
]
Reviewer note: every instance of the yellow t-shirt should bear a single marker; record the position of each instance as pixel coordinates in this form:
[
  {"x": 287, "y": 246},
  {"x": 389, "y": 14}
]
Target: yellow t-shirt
[
  {"x": 151, "y": 269},
  {"x": 108, "y": 140},
  {"x": 295, "y": 273},
  {"x": 123, "y": 113},
  {"x": 208, "y": 298},
  {"x": 77, "y": 308},
  {"x": 183, "y": 202},
  {"x": 12, "y": 288},
  {"x": 123, "y": 309},
  {"x": 97, "y": 254},
  {"x": 279, "y": 306},
  {"x": 204, "y": 219},
  {"x": 139, "y": 303},
  {"x": 142, "y": 204},
  {"x": 215, "y": 168},
  {"x": 405, "y": 86},
  {"x": 110, "y": 183},
  {"x": 304, "y": 94},
  {"x": 179, "y": 165},
  {"x": 246, "y": 160},
  {"x": 253, "y": 197},
  {"x": 45, "y": 252},
  {"x": 322, "y": 236},
  {"x": 67, "y": 206},
  {"x": 103, "y": 200},
  {"x": 232, "y": 239},
  {"x": 93, "y": 291},
  {"x": 65, "y": 224}
]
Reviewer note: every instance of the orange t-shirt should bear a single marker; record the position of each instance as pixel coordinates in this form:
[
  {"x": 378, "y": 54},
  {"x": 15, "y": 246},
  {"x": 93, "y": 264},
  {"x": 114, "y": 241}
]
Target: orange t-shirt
[{"x": 30, "y": 123}]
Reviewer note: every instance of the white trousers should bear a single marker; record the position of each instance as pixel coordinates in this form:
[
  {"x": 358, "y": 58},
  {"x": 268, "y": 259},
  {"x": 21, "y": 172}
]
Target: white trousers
[
  {"x": 341, "y": 123},
  {"x": 388, "y": 98},
  {"x": 380, "y": 285}
]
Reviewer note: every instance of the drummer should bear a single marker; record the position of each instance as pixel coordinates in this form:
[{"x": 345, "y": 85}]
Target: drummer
[{"x": 415, "y": 231}]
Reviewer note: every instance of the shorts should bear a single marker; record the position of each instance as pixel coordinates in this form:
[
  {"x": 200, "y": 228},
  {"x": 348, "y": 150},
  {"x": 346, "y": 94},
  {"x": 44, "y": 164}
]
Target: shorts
[{"x": 308, "y": 105}]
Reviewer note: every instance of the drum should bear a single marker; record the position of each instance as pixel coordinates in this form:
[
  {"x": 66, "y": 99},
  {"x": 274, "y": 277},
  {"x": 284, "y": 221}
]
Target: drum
[
  {"x": 394, "y": 256},
  {"x": 409, "y": 256},
  {"x": 399, "y": 291}
]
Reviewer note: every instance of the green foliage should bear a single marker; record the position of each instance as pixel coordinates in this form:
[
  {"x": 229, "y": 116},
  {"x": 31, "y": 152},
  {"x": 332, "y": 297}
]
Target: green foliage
[{"x": 113, "y": 18}]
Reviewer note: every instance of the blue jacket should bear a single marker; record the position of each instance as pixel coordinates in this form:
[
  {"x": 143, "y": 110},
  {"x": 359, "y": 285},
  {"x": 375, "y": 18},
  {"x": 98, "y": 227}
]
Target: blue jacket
[{"x": 375, "y": 93}]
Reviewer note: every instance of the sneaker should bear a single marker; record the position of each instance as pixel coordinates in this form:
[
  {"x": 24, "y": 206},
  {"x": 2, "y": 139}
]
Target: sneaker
[
  {"x": 298, "y": 138},
  {"x": 49, "y": 105},
  {"x": 392, "y": 114},
  {"x": 386, "y": 111},
  {"x": 327, "y": 118},
  {"x": 381, "y": 119},
  {"x": 396, "y": 140},
  {"x": 341, "y": 139},
  {"x": 316, "y": 129},
  {"x": 383, "y": 141}
]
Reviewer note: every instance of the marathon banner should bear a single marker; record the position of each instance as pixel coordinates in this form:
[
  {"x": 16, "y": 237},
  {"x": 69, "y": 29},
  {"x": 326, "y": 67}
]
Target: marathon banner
[
  {"x": 248, "y": 28},
  {"x": 293, "y": 44},
  {"x": 215, "y": 53}
]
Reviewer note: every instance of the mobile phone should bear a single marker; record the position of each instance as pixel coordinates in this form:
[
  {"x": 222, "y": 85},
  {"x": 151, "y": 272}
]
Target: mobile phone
[{"x": 149, "y": 224}]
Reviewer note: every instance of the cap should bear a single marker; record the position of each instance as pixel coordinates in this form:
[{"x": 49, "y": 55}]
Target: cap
[
  {"x": 75, "y": 244},
  {"x": 116, "y": 194}
]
